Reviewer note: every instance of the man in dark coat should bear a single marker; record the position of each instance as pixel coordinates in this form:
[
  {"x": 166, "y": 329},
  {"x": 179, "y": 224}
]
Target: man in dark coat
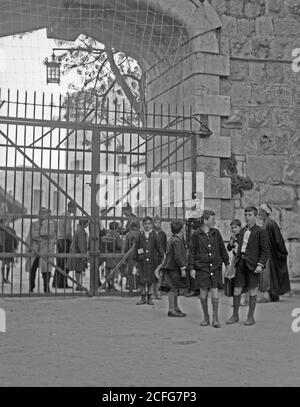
[
  {"x": 275, "y": 281},
  {"x": 147, "y": 249},
  {"x": 162, "y": 242},
  {"x": 206, "y": 256},
  {"x": 252, "y": 255}
]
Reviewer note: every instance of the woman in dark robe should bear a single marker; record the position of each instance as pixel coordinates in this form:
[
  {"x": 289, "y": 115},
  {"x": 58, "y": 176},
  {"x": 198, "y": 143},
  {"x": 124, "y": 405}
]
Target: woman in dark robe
[{"x": 275, "y": 278}]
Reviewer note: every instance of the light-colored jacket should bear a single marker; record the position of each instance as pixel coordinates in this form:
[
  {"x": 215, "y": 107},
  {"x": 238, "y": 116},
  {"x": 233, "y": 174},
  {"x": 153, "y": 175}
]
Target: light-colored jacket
[{"x": 41, "y": 240}]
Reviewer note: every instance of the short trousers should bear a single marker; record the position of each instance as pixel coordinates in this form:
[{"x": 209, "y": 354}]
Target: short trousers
[{"x": 245, "y": 277}]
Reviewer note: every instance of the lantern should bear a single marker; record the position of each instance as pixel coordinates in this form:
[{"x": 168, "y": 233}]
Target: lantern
[{"x": 53, "y": 70}]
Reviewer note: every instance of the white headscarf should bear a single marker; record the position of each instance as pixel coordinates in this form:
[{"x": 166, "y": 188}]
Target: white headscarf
[{"x": 266, "y": 208}]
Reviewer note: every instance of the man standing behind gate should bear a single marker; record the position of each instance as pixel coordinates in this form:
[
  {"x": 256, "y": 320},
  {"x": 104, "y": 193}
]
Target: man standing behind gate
[{"x": 64, "y": 240}]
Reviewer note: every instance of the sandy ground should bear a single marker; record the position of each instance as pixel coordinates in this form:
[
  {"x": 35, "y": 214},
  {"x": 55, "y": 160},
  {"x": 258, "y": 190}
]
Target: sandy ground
[{"x": 109, "y": 341}]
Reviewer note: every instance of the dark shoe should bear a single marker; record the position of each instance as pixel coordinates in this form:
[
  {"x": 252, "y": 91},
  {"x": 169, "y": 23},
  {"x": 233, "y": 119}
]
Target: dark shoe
[
  {"x": 205, "y": 322},
  {"x": 250, "y": 321},
  {"x": 215, "y": 306},
  {"x": 232, "y": 320},
  {"x": 191, "y": 294},
  {"x": 149, "y": 300},
  {"x": 180, "y": 312},
  {"x": 142, "y": 301},
  {"x": 174, "y": 314}
]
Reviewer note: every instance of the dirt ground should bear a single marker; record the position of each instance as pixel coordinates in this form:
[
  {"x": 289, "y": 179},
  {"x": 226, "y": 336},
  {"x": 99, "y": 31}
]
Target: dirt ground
[{"x": 109, "y": 341}]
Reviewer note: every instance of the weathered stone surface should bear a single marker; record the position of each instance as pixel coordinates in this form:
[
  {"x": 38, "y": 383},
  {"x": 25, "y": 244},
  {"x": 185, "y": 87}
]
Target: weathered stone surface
[
  {"x": 291, "y": 173},
  {"x": 254, "y": 8},
  {"x": 239, "y": 214},
  {"x": 245, "y": 27},
  {"x": 279, "y": 196},
  {"x": 251, "y": 197},
  {"x": 296, "y": 95},
  {"x": 227, "y": 209},
  {"x": 239, "y": 71},
  {"x": 264, "y": 26},
  {"x": 217, "y": 187},
  {"x": 240, "y": 94},
  {"x": 293, "y": 247},
  {"x": 282, "y": 118},
  {"x": 209, "y": 165},
  {"x": 213, "y": 205},
  {"x": 214, "y": 124},
  {"x": 281, "y": 48},
  {"x": 214, "y": 147},
  {"x": 262, "y": 95},
  {"x": 241, "y": 47},
  {"x": 259, "y": 117},
  {"x": 265, "y": 169},
  {"x": 257, "y": 72},
  {"x": 283, "y": 95},
  {"x": 213, "y": 105},
  {"x": 286, "y": 27},
  {"x": 234, "y": 8},
  {"x": 275, "y": 73},
  {"x": 260, "y": 48},
  {"x": 271, "y": 141},
  {"x": 244, "y": 143},
  {"x": 219, "y": 6},
  {"x": 274, "y": 7},
  {"x": 229, "y": 25},
  {"x": 290, "y": 224},
  {"x": 236, "y": 119}
]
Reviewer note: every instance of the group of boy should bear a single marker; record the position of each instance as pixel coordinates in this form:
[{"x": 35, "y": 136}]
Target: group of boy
[{"x": 206, "y": 256}]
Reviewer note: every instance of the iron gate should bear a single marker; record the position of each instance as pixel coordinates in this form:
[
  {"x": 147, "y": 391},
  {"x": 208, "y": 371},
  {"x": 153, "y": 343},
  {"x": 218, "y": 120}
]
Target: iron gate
[{"x": 100, "y": 157}]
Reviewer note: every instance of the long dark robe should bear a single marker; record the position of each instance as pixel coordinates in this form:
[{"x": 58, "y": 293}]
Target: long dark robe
[{"x": 279, "y": 281}]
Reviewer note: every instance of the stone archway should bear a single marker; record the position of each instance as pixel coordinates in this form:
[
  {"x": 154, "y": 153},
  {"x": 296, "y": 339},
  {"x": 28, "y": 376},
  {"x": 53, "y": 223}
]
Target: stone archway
[{"x": 175, "y": 41}]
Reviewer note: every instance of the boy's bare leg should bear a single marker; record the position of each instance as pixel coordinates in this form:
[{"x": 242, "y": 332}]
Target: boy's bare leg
[
  {"x": 149, "y": 294},
  {"x": 215, "y": 306},
  {"x": 143, "y": 295},
  {"x": 177, "y": 309},
  {"x": 252, "y": 305},
  {"x": 204, "y": 303},
  {"x": 236, "y": 304}
]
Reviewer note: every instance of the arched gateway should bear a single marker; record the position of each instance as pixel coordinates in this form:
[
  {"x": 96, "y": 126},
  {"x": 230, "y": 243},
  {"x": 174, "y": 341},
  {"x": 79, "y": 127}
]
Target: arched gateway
[{"x": 176, "y": 43}]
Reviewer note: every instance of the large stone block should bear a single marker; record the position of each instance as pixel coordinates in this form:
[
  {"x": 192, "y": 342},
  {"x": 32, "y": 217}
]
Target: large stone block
[
  {"x": 213, "y": 105},
  {"x": 239, "y": 71},
  {"x": 283, "y": 95},
  {"x": 265, "y": 169},
  {"x": 279, "y": 196},
  {"x": 275, "y": 73},
  {"x": 214, "y": 124},
  {"x": 214, "y": 147},
  {"x": 245, "y": 27},
  {"x": 275, "y": 8},
  {"x": 240, "y": 94},
  {"x": 254, "y": 8},
  {"x": 251, "y": 197},
  {"x": 257, "y": 72},
  {"x": 244, "y": 142},
  {"x": 234, "y": 7},
  {"x": 290, "y": 224},
  {"x": 274, "y": 141},
  {"x": 258, "y": 117},
  {"x": 262, "y": 95},
  {"x": 291, "y": 173},
  {"x": 281, "y": 48},
  {"x": 286, "y": 27},
  {"x": 227, "y": 209},
  {"x": 217, "y": 187},
  {"x": 229, "y": 25},
  {"x": 209, "y": 165},
  {"x": 264, "y": 26},
  {"x": 213, "y": 205},
  {"x": 293, "y": 247},
  {"x": 283, "y": 118}
]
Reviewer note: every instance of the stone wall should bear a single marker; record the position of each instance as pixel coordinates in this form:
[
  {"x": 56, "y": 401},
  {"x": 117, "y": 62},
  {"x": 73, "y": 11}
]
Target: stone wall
[{"x": 265, "y": 100}]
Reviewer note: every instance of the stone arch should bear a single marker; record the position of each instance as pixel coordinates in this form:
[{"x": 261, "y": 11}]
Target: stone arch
[{"x": 188, "y": 74}]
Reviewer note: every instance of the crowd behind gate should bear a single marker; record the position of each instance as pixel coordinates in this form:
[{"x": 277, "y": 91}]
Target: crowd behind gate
[{"x": 193, "y": 262}]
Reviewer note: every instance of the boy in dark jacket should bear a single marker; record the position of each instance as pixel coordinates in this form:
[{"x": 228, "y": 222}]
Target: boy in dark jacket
[
  {"x": 174, "y": 269},
  {"x": 207, "y": 253},
  {"x": 9, "y": 246},
  {"x": 131, "y": 238},
  {"x": 252, "y": 255},
  {"x": 147, "y": 249},
  {"x": 162, "y": 242}
]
